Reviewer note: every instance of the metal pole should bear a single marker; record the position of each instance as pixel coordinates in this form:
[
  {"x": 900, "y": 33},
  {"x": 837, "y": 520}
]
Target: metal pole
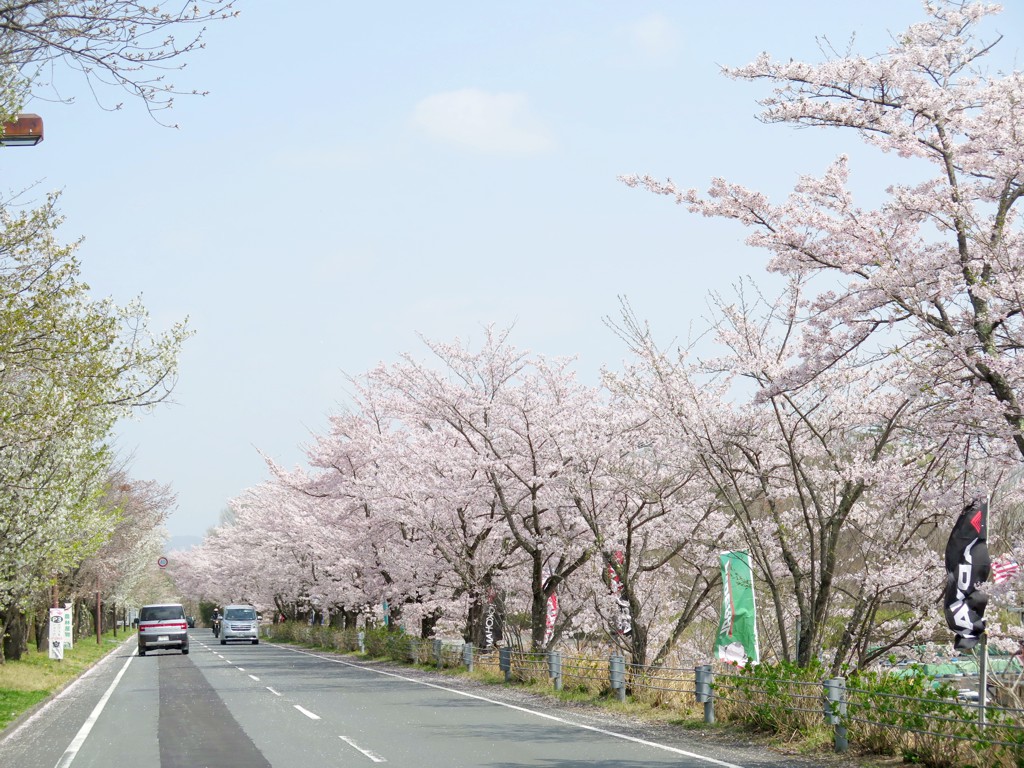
[
  {"x": 99, "y": 619},
  {"x": 983, "y": 642},
  {"x": 982, "y": 676},
  {"x": 617, "y": 676},
  {"x": 505, "y": 662},
  {"x": 835, "y": 711},
  {"x": 704, "y": 678},
  {"x": 555, "y": 668}
]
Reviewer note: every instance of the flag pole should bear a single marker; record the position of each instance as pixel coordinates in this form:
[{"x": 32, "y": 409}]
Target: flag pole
[
  {"x": 982, "y": 676},
  {"x": 983, "y": 643}
]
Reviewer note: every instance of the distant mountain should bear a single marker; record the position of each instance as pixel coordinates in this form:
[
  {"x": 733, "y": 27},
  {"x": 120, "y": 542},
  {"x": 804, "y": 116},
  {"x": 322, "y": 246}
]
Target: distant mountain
[{"x": 183, "y": 543}]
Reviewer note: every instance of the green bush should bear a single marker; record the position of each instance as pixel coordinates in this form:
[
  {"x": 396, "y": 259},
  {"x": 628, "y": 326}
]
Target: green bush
[{"x": 912, "y": 716}]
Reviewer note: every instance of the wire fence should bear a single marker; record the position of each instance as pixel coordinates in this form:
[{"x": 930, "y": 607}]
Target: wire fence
[{"x": 913, "y": 717}]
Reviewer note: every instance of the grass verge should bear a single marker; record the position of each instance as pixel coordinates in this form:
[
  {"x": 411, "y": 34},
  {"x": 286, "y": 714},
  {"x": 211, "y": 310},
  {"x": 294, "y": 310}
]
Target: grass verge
[{"x": 33, "y": 678}]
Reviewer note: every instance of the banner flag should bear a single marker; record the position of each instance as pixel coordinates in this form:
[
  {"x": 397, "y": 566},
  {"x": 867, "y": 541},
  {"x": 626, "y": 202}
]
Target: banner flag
[
  {"x": 625, "y": 620},
  {"x": 1004, "y": 569},
  {"x": 492, "y": 631},
  {"x": 551, "y": 615},
  {"x": 56, "y": 634},
  {"x": 68, "y": 626},
  {"x": 967, "y": 567},
  {"x": 737, "y": 629}
]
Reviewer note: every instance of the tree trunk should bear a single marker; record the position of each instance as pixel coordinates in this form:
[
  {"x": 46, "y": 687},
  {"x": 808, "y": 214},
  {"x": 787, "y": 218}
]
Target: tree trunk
[
  {"x": 16, "y": 637},
  {"x": 42, "y": 631}
]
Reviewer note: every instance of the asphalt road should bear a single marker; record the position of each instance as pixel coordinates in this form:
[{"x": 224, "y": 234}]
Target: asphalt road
[{"x": 266, "y": 705}]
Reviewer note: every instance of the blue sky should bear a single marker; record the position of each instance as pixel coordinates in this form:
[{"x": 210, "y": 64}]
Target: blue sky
[{"x": 363, "y": 173}]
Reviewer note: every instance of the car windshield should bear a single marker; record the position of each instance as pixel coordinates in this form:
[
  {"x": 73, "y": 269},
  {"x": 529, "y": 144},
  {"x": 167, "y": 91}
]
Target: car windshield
[
  {"x": 240, "y": 614},
  {"x": 161, "y": 613}
]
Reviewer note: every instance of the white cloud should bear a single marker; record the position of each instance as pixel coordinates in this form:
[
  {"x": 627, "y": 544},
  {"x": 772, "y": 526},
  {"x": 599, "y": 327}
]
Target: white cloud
[
  {"x": 655, "y": 39},
  {"x": 498, "y": 123}
]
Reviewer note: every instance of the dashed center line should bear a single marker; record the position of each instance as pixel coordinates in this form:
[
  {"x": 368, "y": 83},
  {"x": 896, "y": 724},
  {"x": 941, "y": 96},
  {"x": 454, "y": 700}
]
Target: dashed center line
[
  {"x": 254, "y": 678},
  {"x": 374, "y": 757},
  {"x": 273, "y": 691},
  {"x": 306, "y": 712}
]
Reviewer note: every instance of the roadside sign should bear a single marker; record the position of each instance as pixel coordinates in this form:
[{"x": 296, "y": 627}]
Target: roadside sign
[
  {"x": 68, "y": 640},
  {"x": 57, "y": 633},
  {"x": 162, "y": 562}
]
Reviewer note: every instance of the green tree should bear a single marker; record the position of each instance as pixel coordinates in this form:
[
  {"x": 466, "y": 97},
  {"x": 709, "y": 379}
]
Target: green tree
[{"x": 70, "y": 367}]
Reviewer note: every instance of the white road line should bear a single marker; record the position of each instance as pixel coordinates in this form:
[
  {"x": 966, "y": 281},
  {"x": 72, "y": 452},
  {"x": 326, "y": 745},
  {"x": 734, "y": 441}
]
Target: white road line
[
  {"x": 306, "y": 712},
  {"x": 273, "y": 691},
  {"x": 83, "y": 732},
  {"x": 368, "y": 753},
  {"x": 254, "y": 678},
  {"x": 545, "y": 715},
  {"x": 241, "y": 669}
]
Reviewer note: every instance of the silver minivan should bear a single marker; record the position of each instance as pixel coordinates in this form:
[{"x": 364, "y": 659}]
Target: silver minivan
[{"x": 239, "y": 622}]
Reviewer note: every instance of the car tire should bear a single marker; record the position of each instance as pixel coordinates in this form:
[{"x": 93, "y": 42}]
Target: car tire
[
  {"x": 223, "y": 641},
  {"x": 184, "y": 651},
  {"x": 142, "y": 651},
  {"x": 255, "y": 642}
]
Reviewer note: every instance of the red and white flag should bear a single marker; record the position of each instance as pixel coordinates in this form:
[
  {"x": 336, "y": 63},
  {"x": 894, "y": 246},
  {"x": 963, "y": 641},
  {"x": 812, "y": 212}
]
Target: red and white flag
[{"x": 1003, "y": 570}]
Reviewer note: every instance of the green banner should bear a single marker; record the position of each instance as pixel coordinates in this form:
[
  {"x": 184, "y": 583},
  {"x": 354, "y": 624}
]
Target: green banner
[{"x": 737, "y": 629}]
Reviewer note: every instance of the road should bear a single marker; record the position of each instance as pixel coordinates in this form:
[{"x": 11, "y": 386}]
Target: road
[{"x": 267, "y": 705}]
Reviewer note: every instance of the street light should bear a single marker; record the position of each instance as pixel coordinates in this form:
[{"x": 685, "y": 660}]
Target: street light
[{"x": 26, "y": 131}]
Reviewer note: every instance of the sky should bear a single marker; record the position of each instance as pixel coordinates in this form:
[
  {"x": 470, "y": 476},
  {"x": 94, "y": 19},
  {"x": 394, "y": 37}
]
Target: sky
[{"x": 361, "y": 175}]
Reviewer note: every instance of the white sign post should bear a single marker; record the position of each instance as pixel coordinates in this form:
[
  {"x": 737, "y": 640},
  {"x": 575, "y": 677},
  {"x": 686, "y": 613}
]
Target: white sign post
[{"x": 57, "y": 634}]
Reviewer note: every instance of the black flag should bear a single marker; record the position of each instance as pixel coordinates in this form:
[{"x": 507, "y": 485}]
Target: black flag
[
  {"x": 967, "y": 567},
  {"x": 492, "y": 626}
]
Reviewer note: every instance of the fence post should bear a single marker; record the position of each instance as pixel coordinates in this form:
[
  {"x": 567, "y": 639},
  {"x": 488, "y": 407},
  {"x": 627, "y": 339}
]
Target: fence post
[
  {"x": 835, "y": 710},
  {"x": 362, "y": 641},
  {"x": 555, "y": 668},
  {"x": 704, "y": 678},
  {"x": 414, "y": 655},
  {"x": 617, "y": 676},
  {"x": 439, "y": 653},
  {"x": 505, "y": 662},
  {"x": 467, "y": 656}
]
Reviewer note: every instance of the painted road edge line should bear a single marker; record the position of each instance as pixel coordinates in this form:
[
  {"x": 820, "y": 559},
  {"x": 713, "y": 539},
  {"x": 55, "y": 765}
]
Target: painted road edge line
[
  {"x": 555, "y": 718},
  {"x": 68, "y": 690},
  {"x": 368, "y": 753},
  {"x": 83, "y": 732}
]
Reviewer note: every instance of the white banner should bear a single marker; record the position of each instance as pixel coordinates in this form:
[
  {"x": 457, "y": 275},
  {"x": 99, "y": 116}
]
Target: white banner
[
  {"x": 68, "y": 639},
  {"x": 57, "y": 633}
]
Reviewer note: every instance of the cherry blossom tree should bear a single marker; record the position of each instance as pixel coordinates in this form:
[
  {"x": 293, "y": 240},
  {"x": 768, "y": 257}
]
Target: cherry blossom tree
[
  {"x": 841, "y": 488},
  {"x": 932, "y": 277},
  {"x": 507, "y": 411},
  {"x": 653, "y": 522},
  {"x": 123, "y": 43}
]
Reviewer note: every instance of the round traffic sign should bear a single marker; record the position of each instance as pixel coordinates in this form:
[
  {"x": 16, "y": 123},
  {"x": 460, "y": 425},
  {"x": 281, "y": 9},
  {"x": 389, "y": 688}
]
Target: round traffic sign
[{"x": 162, "y": 562}]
